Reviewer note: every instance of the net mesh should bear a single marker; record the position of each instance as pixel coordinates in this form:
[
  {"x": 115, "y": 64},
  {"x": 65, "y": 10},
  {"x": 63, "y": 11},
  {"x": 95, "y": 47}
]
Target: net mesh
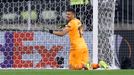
[
  {"x": 37, "y": 49},
  {"x": 106, "y": 30}
]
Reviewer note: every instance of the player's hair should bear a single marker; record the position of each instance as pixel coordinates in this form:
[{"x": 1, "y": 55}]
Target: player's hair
[{"x": 70, "y": 10}]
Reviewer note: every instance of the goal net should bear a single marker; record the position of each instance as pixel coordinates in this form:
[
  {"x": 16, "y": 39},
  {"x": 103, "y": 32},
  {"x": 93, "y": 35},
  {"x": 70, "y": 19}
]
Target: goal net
[
  {"x": 106, "y": 10},
  {"x": 23, "y": 44}
]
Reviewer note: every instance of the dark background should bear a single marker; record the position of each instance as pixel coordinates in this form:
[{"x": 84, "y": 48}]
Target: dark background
[{"x": 123, "y": 48}]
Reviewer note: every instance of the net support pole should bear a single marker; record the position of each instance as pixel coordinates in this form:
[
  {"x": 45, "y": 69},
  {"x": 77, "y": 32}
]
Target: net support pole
[
  {"x": 114, "y": 66},
  {"x": 95, "y": 31},
  {"x": 29, "y": 12}
]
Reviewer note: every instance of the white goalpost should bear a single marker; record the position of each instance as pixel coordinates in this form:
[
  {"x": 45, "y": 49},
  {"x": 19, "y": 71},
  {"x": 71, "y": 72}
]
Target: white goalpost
[{"x": 95, "y": 31}]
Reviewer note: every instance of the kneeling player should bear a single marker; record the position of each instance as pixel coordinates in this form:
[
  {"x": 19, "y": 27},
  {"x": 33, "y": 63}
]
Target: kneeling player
[{"x": 79, "y": 55}]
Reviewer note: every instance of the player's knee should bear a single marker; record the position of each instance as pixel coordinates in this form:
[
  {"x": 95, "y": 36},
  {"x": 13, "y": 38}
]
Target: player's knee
[{"x": 75, "y": 67}]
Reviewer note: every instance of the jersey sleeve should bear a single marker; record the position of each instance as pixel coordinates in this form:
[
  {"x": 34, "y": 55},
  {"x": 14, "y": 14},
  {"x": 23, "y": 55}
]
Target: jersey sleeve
[{"x": 71, "y": 25}]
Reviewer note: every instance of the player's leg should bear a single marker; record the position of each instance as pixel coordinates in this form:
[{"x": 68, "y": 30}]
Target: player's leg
[
  {"x": 75, "y": 58},
  {"x": 85, "y": 59},
  {"x": 89, "y": 66}
]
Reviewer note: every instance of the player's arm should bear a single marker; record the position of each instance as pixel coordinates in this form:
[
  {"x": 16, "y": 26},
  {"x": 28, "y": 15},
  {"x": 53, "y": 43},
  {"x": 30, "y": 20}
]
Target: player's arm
[
  {"x": 65, "y": 30},
  {"x": 81, "y": 29},
  {"x": 60, "y": 33}
]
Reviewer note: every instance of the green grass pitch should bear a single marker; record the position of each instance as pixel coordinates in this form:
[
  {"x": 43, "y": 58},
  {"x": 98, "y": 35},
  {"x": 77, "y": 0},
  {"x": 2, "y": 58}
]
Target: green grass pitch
[{"x": 65, "y": 72}]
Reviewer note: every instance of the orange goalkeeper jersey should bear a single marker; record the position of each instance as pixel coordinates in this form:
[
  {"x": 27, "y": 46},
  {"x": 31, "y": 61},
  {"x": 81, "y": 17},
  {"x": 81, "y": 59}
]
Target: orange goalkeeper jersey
[{"x": 76, "y": 39}]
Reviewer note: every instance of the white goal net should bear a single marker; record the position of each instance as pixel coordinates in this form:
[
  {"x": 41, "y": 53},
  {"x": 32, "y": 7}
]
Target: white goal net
[{"x": 106, "y": 11}]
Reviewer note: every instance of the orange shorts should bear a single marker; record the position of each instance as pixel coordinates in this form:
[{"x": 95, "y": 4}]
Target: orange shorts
[{"x": 78, "y": 57}]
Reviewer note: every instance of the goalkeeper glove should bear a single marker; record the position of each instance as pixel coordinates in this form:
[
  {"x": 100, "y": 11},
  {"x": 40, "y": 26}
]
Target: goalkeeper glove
[
  {"x": 47, "y": 30},
  {"x": 103, "y": 64},
  {"x": 51, "y": 31}
]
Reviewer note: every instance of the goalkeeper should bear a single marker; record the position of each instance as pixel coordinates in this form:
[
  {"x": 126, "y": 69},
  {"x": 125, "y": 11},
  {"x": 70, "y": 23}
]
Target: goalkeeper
[{"x": 79, "y": 56}]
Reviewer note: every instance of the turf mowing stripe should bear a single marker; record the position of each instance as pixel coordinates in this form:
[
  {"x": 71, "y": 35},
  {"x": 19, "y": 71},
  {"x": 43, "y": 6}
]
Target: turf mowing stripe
[{"x": 66, "y": 72}]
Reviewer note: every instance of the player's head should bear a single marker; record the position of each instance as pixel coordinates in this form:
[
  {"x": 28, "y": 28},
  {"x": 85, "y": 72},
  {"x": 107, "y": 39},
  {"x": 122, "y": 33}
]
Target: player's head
[{"x": 70, "y": 14}]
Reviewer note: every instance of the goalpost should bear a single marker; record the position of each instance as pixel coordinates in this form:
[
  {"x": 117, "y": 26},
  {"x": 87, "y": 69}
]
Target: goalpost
[{"x": 95, "y": 31}]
